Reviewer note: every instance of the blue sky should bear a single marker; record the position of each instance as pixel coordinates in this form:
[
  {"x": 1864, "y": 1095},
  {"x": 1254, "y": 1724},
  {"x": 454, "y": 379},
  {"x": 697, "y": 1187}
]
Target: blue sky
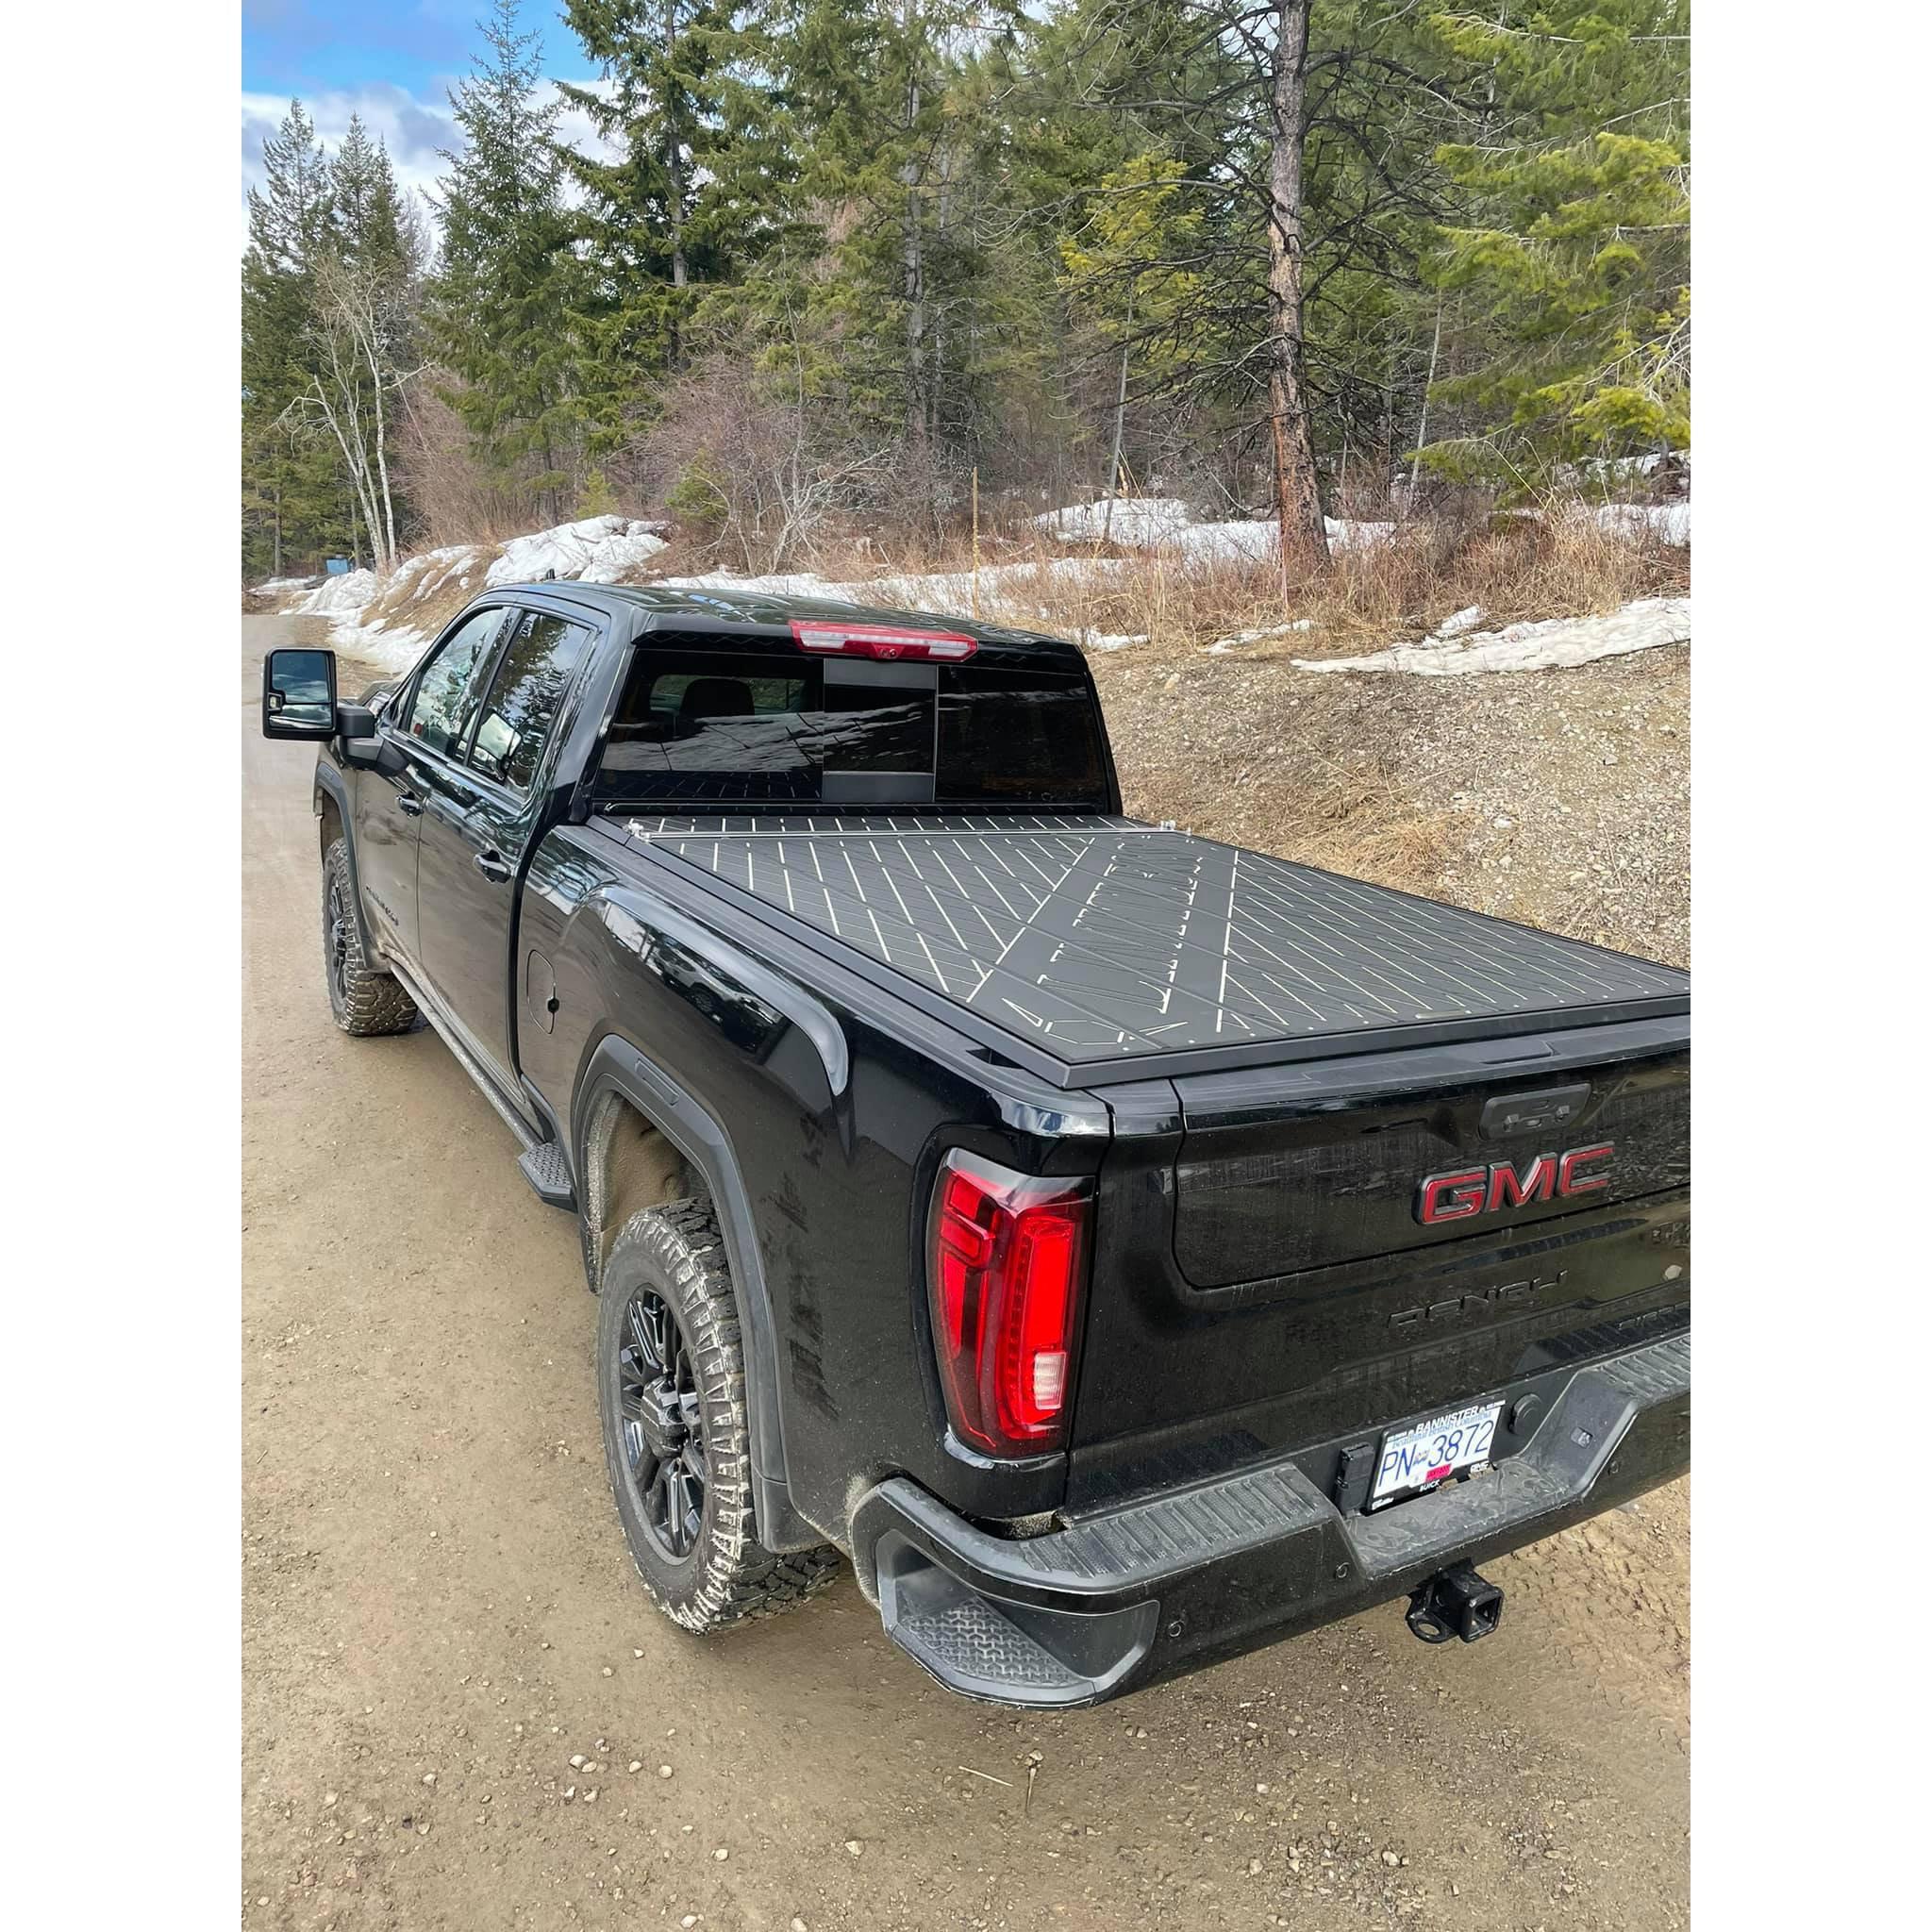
[{"x": 391, "y": 60}]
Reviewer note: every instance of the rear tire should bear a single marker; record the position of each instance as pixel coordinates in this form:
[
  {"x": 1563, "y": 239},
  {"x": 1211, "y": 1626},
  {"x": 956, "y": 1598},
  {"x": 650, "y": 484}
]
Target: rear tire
[
  {"x": 363, "y": 1001},
  {"x": 676, "y": 1434}
]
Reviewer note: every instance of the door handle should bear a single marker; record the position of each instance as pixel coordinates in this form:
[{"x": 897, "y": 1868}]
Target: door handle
[
  {"x": 408, "y": 802},
  {"x": 493, "y": 865}
]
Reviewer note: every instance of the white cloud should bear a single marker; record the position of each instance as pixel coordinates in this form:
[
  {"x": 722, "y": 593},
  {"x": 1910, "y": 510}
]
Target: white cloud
[{"x": 415, "y": 131}]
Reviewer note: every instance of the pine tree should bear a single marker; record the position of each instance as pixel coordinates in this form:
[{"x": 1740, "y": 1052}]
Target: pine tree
[
  {"x": 902, "y": 162},
  {"x": 1130, "y": 261},
  {"x": 501, "y": 302},
  {"x": 690, "y": 103},
  {"x": 1573, "y": 253},
  {"x": 296, "y": 507}
]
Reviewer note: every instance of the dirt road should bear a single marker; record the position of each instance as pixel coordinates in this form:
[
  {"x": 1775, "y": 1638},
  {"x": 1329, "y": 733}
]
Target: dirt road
[{"x": 451, "y": 1670}]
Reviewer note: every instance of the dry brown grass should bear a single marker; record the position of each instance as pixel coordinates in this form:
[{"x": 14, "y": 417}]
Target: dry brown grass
[
  {"x": 1515, "y": 567},
  {"x": 1262, "y": 756},
  {"x": 1363, "y": 821}
]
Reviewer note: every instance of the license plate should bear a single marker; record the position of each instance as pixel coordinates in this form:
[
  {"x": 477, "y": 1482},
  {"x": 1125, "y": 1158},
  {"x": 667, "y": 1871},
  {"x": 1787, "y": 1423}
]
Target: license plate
[{"x": 1432, "y": 1452}]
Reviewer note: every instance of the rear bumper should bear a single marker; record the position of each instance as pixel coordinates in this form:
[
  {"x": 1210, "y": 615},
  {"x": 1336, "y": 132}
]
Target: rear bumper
[{"x": 1179, "y": 1579}]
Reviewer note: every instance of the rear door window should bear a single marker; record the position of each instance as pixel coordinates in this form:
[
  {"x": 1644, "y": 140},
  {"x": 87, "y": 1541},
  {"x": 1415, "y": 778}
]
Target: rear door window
[
  {"x": 448, "y": 687},
  {"x": 525, "y": 696}
]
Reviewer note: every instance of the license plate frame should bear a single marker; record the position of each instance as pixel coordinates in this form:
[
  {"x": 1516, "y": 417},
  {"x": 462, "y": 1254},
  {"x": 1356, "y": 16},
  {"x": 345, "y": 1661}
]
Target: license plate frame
[{"x": 1422, "y": 1455}]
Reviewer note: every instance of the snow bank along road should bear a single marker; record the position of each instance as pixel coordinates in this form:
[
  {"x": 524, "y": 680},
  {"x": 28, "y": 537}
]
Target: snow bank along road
[{"x": 451, "y": 1670}]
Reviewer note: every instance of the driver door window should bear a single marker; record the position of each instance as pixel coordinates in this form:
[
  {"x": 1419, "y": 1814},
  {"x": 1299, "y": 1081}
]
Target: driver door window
[{"x": 448, "y": 690}]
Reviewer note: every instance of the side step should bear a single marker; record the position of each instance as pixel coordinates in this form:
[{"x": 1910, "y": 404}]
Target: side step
[{"x": 548, "y": 1173}]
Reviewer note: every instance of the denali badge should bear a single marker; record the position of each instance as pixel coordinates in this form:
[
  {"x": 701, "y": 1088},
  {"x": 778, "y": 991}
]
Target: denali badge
[{"x": 1485, "y": 1190}]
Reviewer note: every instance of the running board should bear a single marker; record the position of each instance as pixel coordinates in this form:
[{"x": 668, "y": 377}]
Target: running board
[
  {"x": 431, "y": 1009},
  {"x": 548, "y": 1173}
]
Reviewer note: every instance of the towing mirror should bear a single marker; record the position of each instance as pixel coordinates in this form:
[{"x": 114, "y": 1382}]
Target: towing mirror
[{"x": 298, "y": 694}]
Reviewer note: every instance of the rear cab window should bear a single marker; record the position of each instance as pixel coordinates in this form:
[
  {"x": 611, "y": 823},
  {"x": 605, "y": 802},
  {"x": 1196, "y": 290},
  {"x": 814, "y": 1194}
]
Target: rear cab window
[{"x": 705, "y": 723}]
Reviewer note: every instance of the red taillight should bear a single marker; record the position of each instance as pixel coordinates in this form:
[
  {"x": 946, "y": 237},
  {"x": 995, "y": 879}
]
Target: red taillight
[
  {"x": 1006, "y": 1254},
  {"x": 882, "y": 641}
]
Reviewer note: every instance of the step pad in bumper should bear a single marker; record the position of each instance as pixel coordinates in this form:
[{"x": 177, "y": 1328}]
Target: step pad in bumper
[{"x": 1154, "y": 1587}]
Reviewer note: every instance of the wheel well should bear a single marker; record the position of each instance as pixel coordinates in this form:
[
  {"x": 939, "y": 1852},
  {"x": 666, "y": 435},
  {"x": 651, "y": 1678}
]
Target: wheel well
[
  {"x": 332, "y": 821},
  {"x": 627, "y": 1165}
]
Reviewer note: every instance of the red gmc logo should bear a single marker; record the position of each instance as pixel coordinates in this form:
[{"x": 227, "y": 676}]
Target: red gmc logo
[{"x": 1485, "y": 1190}]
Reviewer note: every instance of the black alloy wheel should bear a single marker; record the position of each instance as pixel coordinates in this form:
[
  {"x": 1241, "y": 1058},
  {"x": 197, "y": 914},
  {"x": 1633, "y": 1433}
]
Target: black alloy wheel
[
  {"x": 661, "y": 1425},
  {"x": 338, "y": 936}
]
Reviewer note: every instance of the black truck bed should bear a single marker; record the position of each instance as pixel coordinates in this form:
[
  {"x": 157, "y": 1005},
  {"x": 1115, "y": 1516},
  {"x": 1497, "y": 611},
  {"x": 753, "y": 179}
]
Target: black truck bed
[{"x": 1095, "y": 949}]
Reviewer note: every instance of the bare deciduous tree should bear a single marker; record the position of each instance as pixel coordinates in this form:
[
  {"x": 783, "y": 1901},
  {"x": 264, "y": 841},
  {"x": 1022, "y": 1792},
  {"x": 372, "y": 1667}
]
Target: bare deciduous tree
[
  {"x": 361, "y": 333},
  {"x": 764, "y": 470}
]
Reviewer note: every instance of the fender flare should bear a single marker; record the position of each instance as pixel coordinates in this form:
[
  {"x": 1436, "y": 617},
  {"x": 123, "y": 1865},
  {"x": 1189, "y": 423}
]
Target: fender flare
[
  {"x": 618, "y": 1068},
  {"x": 329, "y": 781}
]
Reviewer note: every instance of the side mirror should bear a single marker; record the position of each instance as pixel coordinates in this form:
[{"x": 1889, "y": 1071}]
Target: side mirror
[{"x": 298, "y": 694}]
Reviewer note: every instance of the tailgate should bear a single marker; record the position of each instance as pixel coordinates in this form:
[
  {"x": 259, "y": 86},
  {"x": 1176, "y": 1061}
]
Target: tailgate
[{"x": 1305, "y": 1252}]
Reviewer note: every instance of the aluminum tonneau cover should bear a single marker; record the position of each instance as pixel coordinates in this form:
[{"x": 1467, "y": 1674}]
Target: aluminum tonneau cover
[{"x": 1095, "y": 950}]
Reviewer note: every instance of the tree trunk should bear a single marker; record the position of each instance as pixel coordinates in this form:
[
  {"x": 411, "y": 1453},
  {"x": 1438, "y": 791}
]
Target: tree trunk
[
  {"x": 912, "y": 245},
  {"x": 1297, "y": 499},
  {"x": 675, "y": 168},
  {"x": 1422, "y": 428},
  {"x": 1119, "y": 429}
]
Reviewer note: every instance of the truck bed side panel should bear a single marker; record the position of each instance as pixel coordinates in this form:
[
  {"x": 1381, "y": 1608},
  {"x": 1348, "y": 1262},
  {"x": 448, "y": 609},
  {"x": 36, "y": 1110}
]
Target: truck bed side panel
[{"x": 835, "y": 1150}]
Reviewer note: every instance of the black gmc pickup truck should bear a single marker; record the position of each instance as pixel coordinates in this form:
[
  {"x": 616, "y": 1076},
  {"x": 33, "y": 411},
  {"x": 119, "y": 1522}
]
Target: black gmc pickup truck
[{"x": 1126, "y": 1250}]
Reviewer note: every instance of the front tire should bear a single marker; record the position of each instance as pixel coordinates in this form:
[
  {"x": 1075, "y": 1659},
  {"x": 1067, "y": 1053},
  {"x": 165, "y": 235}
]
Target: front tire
[
  {"x": 363, "y": 1001},
  {"x": 677, "y": 1438}
]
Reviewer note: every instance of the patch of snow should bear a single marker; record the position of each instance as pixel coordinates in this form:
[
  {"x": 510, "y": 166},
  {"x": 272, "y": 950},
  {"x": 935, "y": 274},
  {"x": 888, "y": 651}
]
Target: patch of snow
[
  {"x": 1009, "y": 592},
  {"x": 1135, "y": 523},
  {"x": 271, "y": 585},
  {"x": 1221, "y": 646},
  {"x": 338, "y": 596},
  {"x": 431, "y": 572},
  {"x": 1107, "y": 641},
  {"x": 1554, "y": 643},
  {"x": 388, "y": 650},
  {"x": 597, "y": 550},
  {"x": 1466, "y": 619},
  {"x": 1670, "y": 523},
  {"x": 1165, "y": 522}
]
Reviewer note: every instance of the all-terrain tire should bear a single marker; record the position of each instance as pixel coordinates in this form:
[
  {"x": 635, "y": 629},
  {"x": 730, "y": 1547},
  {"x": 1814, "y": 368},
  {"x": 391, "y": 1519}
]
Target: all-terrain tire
[
  {"x": 363, "y": 1001},
  {"x": 672, "y": 1259}
]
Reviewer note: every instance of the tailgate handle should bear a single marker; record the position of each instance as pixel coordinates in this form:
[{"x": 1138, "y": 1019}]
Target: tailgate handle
[{"x": 1547, "y": 1110}]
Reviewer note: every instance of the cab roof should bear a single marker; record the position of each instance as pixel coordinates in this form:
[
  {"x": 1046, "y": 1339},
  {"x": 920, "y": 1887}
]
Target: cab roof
[{"x": 661, "y": 607}]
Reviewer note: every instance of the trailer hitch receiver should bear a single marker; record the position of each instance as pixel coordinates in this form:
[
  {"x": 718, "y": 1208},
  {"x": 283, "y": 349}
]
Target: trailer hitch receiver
[{"x": 1454, "y": 1601}]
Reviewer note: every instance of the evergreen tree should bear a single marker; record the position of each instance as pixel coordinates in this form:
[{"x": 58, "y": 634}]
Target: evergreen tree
[
  {"x": 904, "y": 165},
  {"x": 691, "y": 103},
  {"x": 1258, "y": 248},
  {"x": 294, "y": 507},
  {"x": 506, "y": 287},
  {"x": 1573, "y": 253}
]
